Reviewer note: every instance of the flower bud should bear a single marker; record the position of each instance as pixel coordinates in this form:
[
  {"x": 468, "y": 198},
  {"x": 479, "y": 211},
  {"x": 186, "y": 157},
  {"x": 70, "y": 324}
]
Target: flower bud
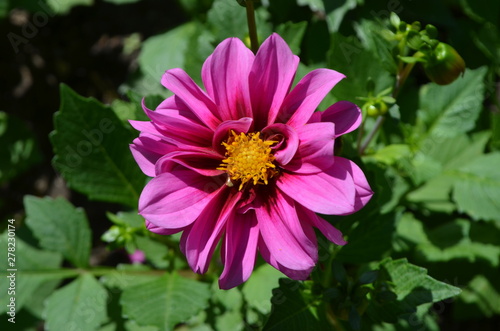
[
  {"x": 444, "y": 64},
  {"x": 375, "y": 108}
]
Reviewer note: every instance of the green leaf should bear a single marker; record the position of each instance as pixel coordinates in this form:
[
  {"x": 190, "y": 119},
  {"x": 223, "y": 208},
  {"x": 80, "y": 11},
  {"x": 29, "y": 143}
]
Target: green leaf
[
  {"x": 481, "y": 293},
  {"x": 348, "y": 56},
  {"x": 258, "y": 289},
  {"x": 452, "y": 241},
  {"x": 29, "y": 263},
  {"x": 121, "y": 2},
  {"x": 129, "y": 275},
  {"x": 292, "y": 33},
  {"x": 63, "y": 7},
  {"x": 446, "y": 111},
  {"x": 167, "y": 51},
  {"x": 412, "y": 286},
  {"x": 376, "y": 233},
  {"x": 60, "y": 227},
  {"x": 335, "y": 12},
  {"x": 19, "y": 148},
  {"x": 165, "y": 301},
  {"x": 478, "y": 188},
  {"x": 294, "y": 309},
  {"x": 79, "y": 305},
  {"x": 390, "y": 154},
  {"x": 90, "y": 144}
]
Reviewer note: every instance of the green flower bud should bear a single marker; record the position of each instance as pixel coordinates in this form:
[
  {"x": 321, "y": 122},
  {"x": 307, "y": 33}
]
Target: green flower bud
[
  {"x": 444, "y": 64},
  {"x": 375, "y": 108}
]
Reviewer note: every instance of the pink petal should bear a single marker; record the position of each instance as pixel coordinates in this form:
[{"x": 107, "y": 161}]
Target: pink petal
[
  {"x": 202, "y": 161},
  {"x": 363, "y": 190},
  {"x": 223, "y": 131},
  {"x": 180, "y": 128},
  {"x": 331, "y": 192},
  {"x": 345, "y": 115},
  {"x": 159, "y": 230},
  {"x": 268, "y": 257},
  {"x": 200, "y": 240},
  {"x": 179, "y": 82},
  {"x": 174, "y": 104},
  {"x": 303, "y": 100},
  {"x": 315, "y": 152},
  {"x": 146, "y": 150},
  {"x": 239, "y": 249},
  {"x": 288, "y": 141},
  {"x": 328, "y": 230},
  {"x": 281, "y": 230},
  {"x": 174, "y": 200},
  {"x": 270, "y": 79},
  {"x": 225, "y": 76}
]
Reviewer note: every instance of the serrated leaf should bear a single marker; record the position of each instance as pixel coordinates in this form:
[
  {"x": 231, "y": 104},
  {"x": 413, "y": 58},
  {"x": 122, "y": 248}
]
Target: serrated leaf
[
  {"x": 91, "y": 149},
  {"x": 129, "y": 275},
  {"x": 60, "y": 227},
  {"x": 19, "y": 148},
  {"x": 477, "y": 189},
  {"x": 29, "y": 263},
  {"x": 412, "y": 286},
  {"x": 448, "y": 110},
  {"x": 165, "y": 302},
  {"x": 294, "y": 309},
  {"x": 79, "y": 305}
]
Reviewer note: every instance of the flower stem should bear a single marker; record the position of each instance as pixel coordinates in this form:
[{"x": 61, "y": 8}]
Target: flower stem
[
  {"x": 401, "y": 77},
  {"x": 252, "y": 27}
]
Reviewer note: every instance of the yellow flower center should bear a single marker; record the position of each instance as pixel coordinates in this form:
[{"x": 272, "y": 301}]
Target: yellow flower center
[{"x": 248, "y": 158}]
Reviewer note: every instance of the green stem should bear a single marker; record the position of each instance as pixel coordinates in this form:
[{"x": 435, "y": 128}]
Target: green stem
[
  {"x": 403, "y": 74},
  {"x": 252, "y": 27}
]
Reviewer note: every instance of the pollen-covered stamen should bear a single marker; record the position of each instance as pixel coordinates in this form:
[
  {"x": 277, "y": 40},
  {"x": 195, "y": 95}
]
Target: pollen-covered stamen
[{"x": 248, "y": 158}]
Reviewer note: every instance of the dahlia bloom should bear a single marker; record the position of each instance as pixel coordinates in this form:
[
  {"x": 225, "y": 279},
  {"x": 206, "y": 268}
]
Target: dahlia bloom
[{"x": 248, "y": 162}]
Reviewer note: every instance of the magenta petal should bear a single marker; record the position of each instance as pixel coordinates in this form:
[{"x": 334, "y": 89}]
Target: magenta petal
[
  {"x": 328, "y": 230},
  {"x": 203, "y": 161},
  {"x": 180, "y": 128},
  {"x": 363, "y": 190},
  {"x": 281, "y": 230},
  {"x": 331, "y": 192},
  {"x": 292, "y": 273},
  {"x": 179, "y": 82},
  {"x": 239, "y": 249},
  {"x": 315, "y": 152},
  {"x": 270, "y": 79},
  {"x": 345, "y": 115},
  {"x": 201, "y": 239},
  {"x": 225, "y": 76},
  {"x": 287, "y": 141},
  {"x": 146, "y": 150},
  {"x": 224, "y": 130},
  {"x": 159, "y": 230},
  {"x": 303, "y": 100},
  {"x": 174, "y": 200}
]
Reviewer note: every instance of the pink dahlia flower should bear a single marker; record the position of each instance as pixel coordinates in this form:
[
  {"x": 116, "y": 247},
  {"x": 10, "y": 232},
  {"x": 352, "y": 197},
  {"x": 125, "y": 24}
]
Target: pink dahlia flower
[{"x": 248, "y": 162}]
